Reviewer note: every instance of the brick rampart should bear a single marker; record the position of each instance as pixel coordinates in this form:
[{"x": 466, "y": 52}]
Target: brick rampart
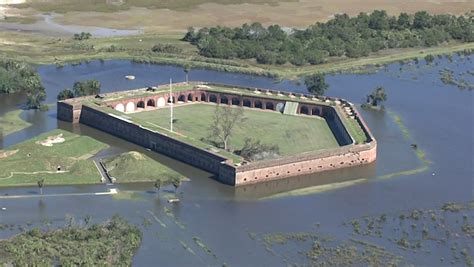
[{"x": 349, "y": 154}]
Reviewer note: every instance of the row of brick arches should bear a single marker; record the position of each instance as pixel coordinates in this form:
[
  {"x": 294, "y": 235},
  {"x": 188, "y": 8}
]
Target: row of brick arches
[
  {"x": 310, "y": 110},
  {"x": 202, "y": 96}
]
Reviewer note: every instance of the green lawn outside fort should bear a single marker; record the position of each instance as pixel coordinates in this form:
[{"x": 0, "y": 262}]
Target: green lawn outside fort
[
  {"x": 26, "y": 163},
  {"x": 292, "y": 134}
]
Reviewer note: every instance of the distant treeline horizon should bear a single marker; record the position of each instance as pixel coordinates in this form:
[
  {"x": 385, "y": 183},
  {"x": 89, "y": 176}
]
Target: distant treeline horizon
[{"x": 352, "y": 37}]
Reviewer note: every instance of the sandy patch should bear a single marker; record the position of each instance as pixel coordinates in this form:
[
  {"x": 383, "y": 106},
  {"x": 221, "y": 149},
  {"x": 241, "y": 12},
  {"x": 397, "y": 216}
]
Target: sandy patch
[
  {"x": 51, "y": 140},
  {"x": 6, "y": 154}
]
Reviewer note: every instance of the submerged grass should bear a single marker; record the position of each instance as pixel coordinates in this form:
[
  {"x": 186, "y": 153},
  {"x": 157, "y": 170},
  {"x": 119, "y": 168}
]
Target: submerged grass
[
  {"x": 128, "y": 195},
  {"x": 11, "y": 122}
]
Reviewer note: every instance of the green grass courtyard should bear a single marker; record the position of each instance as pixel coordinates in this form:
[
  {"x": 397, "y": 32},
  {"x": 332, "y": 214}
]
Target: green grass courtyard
[{"x": 293, "y": 134}]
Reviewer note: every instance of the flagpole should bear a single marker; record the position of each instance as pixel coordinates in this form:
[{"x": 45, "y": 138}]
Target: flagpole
[{"x": 171, "y": 107}]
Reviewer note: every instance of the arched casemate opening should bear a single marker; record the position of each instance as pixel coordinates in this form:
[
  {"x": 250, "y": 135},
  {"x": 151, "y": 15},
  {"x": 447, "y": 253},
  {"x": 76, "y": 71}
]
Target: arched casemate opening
[
  {"x": 213, "y": 98},
  {"x": 247, "y": 103},
  {"x": 224, "y": 100},
  {"x": 304, "y": 110},
  {"x": 258, "y": 104},
  {"x": 316, "y": 112},
  {"x": 203, "y": 97},
  {"x": 141, "y": 104},
  {"x": 269, "y": 105},
  {"x": 190, "y": 97},
  {"x": 150, "y": 103},
  {"x": 182, "y": 98},
  {"x": 235, "y": 101}
]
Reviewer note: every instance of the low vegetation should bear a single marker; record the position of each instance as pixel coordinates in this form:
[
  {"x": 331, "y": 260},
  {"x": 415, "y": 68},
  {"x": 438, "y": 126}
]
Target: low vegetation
[
  {"x": 114, "y": 6},
  {"x": 111, "y": 243},
  {"x": 254, "y": 150},
  {"x": 448, "y": 77},
  {"x": 82, "y": 36},
  {"x": 342, "y": 36},
  {"x": 136, "y": 167},
  {"x": 448, "y": 228}
]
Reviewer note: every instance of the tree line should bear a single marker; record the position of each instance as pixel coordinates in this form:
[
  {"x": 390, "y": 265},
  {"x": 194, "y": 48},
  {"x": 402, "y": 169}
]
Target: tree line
[
  {"x": 343, "y": 35},
  {"x": 22, "y": 77}
]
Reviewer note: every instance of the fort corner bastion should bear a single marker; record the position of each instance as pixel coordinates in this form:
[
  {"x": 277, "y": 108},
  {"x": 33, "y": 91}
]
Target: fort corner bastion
[{"x": 108, "y": 112}]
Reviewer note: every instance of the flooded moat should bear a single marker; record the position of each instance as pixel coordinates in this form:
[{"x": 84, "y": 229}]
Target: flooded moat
[{"x": 331, "y": 215}]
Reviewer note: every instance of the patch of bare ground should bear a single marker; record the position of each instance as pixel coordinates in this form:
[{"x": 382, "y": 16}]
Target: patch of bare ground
[{"x": 6, "y": 154}]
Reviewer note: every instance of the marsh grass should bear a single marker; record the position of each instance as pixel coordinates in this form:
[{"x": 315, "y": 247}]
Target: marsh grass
[{"x": 110, "y": 243}]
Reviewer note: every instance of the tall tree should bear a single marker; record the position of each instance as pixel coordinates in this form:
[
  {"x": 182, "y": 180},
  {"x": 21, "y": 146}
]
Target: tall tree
[
  {"x": 316, "y": 84},
  {"x": 224, "y": 122}
]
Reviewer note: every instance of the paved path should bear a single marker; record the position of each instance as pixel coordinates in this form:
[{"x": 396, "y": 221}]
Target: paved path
[{"x": 111, "y": 191}]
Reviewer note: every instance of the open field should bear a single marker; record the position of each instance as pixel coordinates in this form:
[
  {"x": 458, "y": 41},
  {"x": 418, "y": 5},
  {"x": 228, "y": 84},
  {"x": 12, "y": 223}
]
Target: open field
[
  {"x": 293, "y": 134},
  {"x": 27, "y": 162},
  {"x": 11, "y": 122},
  {"x": 168, "y": 16}
]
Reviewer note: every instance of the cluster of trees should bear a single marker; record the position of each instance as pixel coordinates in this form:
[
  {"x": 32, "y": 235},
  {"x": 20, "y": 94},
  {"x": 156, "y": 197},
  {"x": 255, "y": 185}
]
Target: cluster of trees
[
  {"x": 21, "y": 77},
  {"x": 376, "y": 97},
  {"x": 166, "y": 48},
  {"x": 341, "y": 36},
  {"x": 316, "y": 84},
  {"x": 82, "y": 36},
  {"x": 83, "y": 88}
]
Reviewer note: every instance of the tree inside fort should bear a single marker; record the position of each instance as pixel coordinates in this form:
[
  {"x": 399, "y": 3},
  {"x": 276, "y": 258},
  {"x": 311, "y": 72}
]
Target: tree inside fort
[{"x": 224, "y": 121}]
